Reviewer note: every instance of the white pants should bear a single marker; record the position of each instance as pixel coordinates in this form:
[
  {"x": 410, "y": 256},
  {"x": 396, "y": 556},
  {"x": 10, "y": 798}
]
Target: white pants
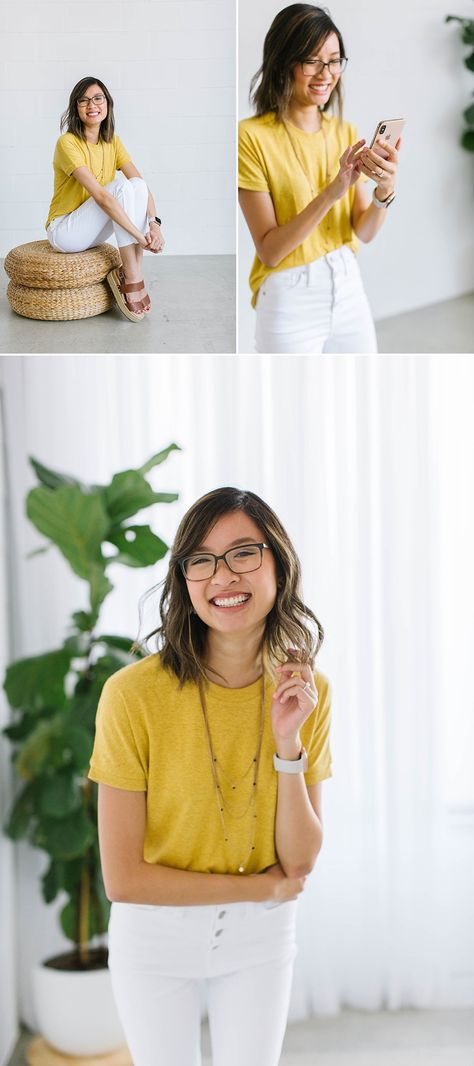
[
  {"x": 320, "y": 307},
  {"x": 89, "y": 225},
  {"x": 243, "y": 951}
]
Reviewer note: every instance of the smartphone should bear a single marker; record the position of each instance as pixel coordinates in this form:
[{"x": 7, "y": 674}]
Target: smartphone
[{"x": 390, "y": 129}]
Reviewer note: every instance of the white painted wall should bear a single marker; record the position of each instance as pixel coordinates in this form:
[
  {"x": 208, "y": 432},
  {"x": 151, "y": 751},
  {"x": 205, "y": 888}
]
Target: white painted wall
[
  {"x": 404, "y": 61},
  {"x": 170, "y": 67}
]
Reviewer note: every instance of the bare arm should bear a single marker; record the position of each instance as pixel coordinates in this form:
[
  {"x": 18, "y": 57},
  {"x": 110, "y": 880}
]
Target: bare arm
[
  {"x": 128, "y": 878},
  {"x": 273, "y": 242},
  {"x": 298, "y": 828},
  {"x": 108, "y": 203}
]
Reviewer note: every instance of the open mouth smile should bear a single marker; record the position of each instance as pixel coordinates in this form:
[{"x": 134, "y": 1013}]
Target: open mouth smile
[{"x": 230, "y": 602}]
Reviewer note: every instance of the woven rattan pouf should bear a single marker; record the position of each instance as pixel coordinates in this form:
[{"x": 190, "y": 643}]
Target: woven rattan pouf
[{"x": 59, "y": 286}]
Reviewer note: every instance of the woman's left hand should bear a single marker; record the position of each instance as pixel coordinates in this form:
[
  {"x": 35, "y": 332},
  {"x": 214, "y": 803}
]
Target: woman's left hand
[
  {"x": 293, "y": 701},
  {"x": 155, "y": 238},
  {"x": 382, "y": 171}
]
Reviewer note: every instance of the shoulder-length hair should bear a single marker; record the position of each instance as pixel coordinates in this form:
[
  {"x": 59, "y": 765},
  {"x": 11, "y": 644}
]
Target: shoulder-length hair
[
  {"x": 181, "y": 637},
  {"x": 296, "y": 33},
  {"x": 70, "y": 119}
]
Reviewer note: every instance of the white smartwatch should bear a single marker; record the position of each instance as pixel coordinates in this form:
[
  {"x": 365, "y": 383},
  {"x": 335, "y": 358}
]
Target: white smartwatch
[
  {"x": 291, "y": 766},
  {"x": 383, "y": 203}
]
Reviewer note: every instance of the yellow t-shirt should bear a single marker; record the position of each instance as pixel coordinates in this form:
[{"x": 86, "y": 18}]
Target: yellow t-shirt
[
  {"x": 275, "y": 161},
  {"x": 150, "y": 736},
  {"x": 103, "y": 159}
]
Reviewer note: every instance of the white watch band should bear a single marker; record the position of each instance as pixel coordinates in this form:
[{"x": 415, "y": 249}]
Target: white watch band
[
  {"x": 383, "y": 203},
  {"x": 291, "y": 766}
]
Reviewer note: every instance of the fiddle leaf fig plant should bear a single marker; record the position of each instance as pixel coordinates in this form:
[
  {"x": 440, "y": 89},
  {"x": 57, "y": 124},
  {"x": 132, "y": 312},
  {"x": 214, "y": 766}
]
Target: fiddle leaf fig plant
[
  {"x": 54, "y": 696},
  {"x": 467, "y": 36}
]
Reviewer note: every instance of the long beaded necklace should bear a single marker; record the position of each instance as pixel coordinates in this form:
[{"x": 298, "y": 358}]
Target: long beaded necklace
[
  {"x": 101, "y": 172},
  {"x": 301, "y": 164},
  {"x": 222, "y": 801}
]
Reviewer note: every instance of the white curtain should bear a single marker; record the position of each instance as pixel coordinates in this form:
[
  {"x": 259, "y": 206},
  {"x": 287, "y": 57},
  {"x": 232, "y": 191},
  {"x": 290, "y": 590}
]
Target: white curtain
[{"x": 348, "y": 452}]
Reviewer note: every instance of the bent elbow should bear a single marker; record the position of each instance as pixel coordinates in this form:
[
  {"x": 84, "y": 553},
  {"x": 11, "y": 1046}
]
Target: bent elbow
[{"x": 269, "y": 260}]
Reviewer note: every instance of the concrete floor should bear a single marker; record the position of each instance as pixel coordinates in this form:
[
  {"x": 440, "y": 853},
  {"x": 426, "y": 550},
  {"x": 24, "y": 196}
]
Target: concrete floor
[
  {"x": 193, "y": 301},
  {"x": 357, "y": 1038},
  {"x": 442, "y": 327}
]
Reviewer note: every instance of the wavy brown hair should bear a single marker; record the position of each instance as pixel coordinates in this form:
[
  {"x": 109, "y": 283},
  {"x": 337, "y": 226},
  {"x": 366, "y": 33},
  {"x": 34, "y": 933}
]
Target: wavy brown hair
[
  {"x": 181, "y": 637},
  {"x": 297, "y": 32},
  {"x": 72, "y": 123}
]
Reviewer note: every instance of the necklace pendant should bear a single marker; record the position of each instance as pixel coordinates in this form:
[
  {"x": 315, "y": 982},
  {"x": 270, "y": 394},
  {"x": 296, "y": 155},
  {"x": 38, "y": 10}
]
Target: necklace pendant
[{"x": 241, "y": 869}]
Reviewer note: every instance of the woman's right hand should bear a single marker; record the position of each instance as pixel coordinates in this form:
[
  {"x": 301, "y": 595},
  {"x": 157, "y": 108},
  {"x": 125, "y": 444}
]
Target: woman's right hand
[
  {"x": 349, "y": 172},
  {"x": 279, "y": 887}
]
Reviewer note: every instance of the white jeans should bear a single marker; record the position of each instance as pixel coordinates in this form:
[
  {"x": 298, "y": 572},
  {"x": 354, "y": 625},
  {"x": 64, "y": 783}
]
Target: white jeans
[
  {"x": 243, "y": 951},
  {"x": 89, "y": 225},
  {"x": 320, "y": 307}
]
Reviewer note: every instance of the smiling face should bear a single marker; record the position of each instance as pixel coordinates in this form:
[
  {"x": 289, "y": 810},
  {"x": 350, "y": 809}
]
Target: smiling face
[
  {"x": 229, "y": 602},
  {"x": 316, "y": 88},
  {"x": 92, "y": 112}
]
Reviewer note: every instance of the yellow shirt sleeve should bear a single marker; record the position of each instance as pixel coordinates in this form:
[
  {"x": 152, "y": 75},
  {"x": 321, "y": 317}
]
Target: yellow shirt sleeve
[
  {"x": 121, "y": 154},
  {"x": 318, "y": 750},
  {"x": 119, "y": 756},
  {"x": 252, "y": 168},
  {"x": 68, "y": 154}
]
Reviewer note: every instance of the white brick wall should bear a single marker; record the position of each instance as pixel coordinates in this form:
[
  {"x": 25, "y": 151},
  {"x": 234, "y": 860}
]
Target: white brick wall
[{"x": 170, "y": 67}]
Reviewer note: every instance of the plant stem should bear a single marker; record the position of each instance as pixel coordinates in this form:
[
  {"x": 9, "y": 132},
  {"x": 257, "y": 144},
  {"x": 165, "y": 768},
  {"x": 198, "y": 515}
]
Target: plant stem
[{"x": 84, "y": 896}]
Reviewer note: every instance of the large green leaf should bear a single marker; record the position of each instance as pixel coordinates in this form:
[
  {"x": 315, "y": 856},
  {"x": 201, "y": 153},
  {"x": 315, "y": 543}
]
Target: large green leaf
[
  {"x": 69, "y": 919},
  {"x": 52, "y": 480},
  {"x": 467, "y": 140},
  {"x": 65, "y": 838},
  {"x": 59, "y": 795},
  {"x": 100, "y": 588},
  {"x": 75, "y": 522},
  {"x": 52, "y": 880},
  {"x": 89, "y": 687},
  {"x": 22, "y": 813},
  {"x": 38, "y": 682},
  {"x": 158, "y": 458},
  {"x": 98, "y": 916},
  {"x": 468, "y": 32},
  {"x": 137, "y": 546},
  {"x": 128, "y": 493},
  {"x": 25, "y": 726},
  {"x": 78, "y": 746},
  {"x": 111, "y": 640},
  {"x": 37, "y": 752},
  {"x": 469, "y": 115}
]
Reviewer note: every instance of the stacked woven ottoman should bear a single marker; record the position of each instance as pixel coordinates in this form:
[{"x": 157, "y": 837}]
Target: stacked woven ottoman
[{"x": 60, "y": 286}]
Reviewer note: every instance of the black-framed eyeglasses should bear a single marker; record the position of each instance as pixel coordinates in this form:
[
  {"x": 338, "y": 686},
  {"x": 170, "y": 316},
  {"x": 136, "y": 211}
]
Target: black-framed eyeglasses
[
  {"x": 316, "y": 66},
  {"x": 240, "y": 560},
  {"x": 98, "y": 99}
]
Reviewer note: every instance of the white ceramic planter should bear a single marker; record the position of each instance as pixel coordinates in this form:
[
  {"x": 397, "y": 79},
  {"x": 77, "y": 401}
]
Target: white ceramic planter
[{"x": 75, "y": 1010}]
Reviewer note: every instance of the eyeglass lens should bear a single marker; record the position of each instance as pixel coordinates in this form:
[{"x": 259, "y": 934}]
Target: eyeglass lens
[
  {"x": 240, "y": 560},
  {"x": 99, "y": 99},
  {"x": 316, "y": 66}
]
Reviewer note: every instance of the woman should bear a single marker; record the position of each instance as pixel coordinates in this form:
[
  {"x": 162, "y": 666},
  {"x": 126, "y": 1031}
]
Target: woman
[
  {"x": 99, "y": 191},
  {"x": 205, "y": 839},
  {"x": 299, "y": 189}
]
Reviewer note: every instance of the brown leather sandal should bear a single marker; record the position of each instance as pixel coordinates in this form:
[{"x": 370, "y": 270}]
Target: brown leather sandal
[
  {"x": 134, "y": 309},
  {"x": 145, "y": 302}
]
